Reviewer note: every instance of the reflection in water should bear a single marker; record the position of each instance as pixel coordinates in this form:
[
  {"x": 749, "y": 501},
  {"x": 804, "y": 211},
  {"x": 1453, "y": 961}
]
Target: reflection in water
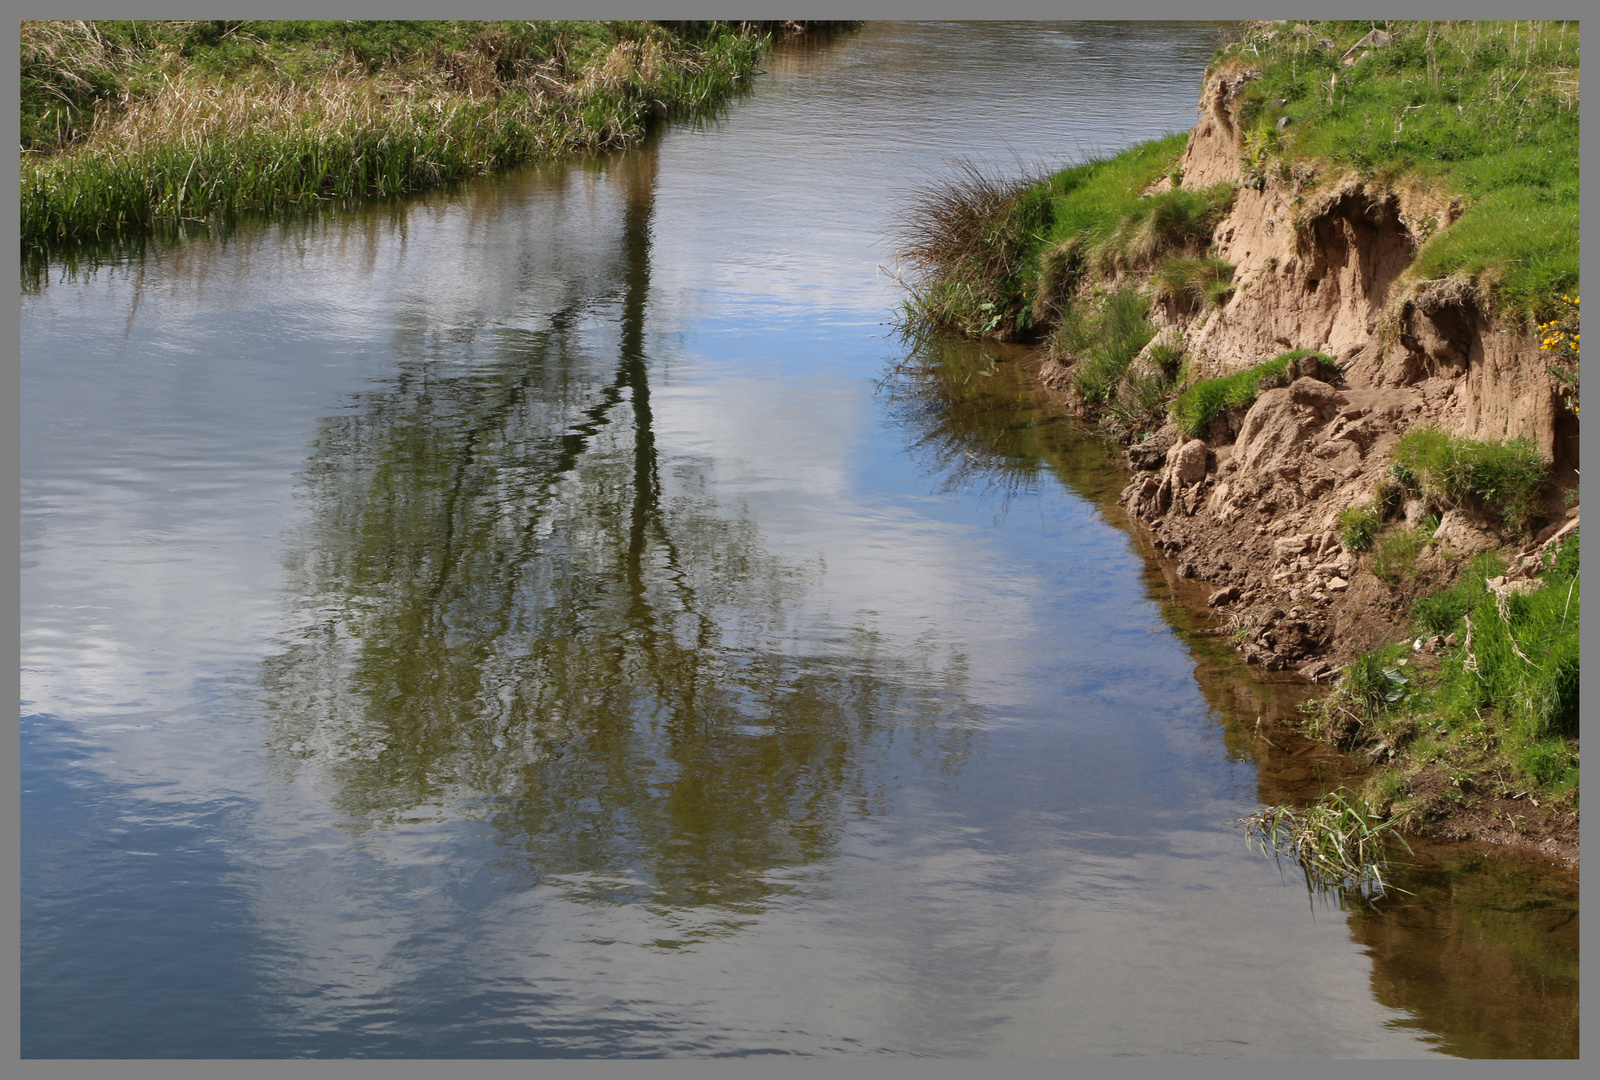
[
  {"x": 514, "y": 610},
  {"x": 1481, "y": 951},
  {"x": 559, "y": 613}
]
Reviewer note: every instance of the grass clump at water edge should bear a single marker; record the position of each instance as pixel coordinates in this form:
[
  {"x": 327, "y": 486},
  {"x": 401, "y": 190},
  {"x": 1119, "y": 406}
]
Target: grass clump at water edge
[
  {"x": 129, "y": 125},
  {"x": 966, "y": 239},
  {"x": 1339, "y": 843},
  {"x": 1496, "y": 706}
]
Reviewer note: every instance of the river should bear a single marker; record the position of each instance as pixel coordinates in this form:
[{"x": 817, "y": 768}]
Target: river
[{"x": 549, "y": 618}]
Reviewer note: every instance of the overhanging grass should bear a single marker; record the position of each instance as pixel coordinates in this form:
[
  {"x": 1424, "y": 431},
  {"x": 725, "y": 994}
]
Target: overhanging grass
[
  {"x": 1448, "y": 470},
  {"x": 1484, "y": 110},
  {"x": 225, "y": 117},
  {"x": 1194, "y": 281}
]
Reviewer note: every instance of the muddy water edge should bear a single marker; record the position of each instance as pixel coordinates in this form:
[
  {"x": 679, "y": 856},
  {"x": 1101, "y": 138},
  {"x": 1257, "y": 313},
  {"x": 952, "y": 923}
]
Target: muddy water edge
[{"x": 1480, "y": 944}]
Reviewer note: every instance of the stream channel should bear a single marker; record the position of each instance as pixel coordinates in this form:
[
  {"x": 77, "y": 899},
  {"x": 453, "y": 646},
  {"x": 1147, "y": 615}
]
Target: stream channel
[{"x": 549, "y": 618}]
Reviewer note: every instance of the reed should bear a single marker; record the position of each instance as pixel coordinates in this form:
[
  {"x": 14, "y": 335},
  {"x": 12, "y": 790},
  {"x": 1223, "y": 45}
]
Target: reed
[{"x": 1338, "y": 841}]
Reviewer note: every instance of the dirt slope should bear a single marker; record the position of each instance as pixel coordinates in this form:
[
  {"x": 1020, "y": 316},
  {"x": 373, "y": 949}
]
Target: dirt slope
[{"x": 1253, "y": 507}]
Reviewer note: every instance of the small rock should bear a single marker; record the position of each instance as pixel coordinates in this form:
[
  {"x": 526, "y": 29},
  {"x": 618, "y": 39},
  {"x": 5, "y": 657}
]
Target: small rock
[
  {"x": 1450, "y": 641},
  {"x": 1315, "y": 670},
  {"x": 1316, "y": 394},
  {"x": 1189, "y": 461},
  {"x": 1337, "y": 585},
  {"x": 1289, "y": 546},
  {"x": 1223, "y": 596}
]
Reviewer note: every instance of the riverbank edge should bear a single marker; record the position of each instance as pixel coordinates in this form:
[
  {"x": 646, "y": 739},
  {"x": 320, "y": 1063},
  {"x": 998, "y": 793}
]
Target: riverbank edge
[
  {"x": 1249, "y": 507},
  {"x": 223, "y": 130}
]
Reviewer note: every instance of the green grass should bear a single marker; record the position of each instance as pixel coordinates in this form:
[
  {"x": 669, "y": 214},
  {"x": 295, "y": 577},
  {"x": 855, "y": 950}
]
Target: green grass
[
  {"x": 1197, "y": 406},
  {"x": 1449, "y": 470},
  {"x": 129, "y": 125},
  {"x": 1194, "y": 282},
  {"x": 967, "y": 241},
  {"x": 1172, "y": 221},
  {"x": 1338, "y": 841},
  {"x": 1502, "y": 705},
  {"x": 1104, "y": 342},
  {"x": 1394, "y": 562},
  {"x": 1358, "y": 525},
  {"x": 1474, "y": 126},
  {"x": 1483, "y": 110}
]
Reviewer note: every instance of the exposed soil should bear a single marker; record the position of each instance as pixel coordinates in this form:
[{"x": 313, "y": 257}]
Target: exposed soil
[{"x": 1248, "y": 514}]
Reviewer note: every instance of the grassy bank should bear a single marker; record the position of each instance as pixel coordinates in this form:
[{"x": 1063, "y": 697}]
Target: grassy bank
[
  {"x": 1481, "y": 699},
  {"x": 1482, "y": 702},
  {"x": 129, "y": 124},
  {"x": 1473, "y": 127},
  {"x": 1483, "y": 111},
  {"x": 1481, "y": 117}
]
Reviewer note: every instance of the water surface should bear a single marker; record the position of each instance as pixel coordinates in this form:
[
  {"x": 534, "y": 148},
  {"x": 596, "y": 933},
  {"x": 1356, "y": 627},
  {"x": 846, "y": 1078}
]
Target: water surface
[{"x": 534, "y": 620}]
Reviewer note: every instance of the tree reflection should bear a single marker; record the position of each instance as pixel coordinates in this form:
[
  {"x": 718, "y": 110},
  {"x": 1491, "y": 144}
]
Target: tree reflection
[
  {"x": 514, "y": 610},
  {"x": 975, "y": 417}
]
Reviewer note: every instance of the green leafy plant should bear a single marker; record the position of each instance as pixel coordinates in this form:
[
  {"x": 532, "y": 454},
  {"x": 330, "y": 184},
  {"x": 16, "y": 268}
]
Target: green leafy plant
[{"x": 1559, "y": 338}]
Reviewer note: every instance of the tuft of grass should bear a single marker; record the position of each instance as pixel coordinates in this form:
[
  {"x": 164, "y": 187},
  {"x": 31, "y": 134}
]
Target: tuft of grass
[
  {"x": 1359, "y": 524},
  {"x": 1197, "y": 406},
  {"x": 1395, "y": 560},
  {"x": 1104, "y": 343},
  {"x": 1338, "y": 841},
  {"x": 1449, "y": 470},
  {"x": 1194, "y": 282},
  {"x": 967, "y": 239},
  {"x": 1501, "y": 706},
  {"x": 1178, "y": 220},
  {"x": 1484, "y": 111}
]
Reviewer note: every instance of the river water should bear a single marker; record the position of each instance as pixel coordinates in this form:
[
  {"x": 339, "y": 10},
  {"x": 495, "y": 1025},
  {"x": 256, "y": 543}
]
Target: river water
[{"x": 538, "y": 620}]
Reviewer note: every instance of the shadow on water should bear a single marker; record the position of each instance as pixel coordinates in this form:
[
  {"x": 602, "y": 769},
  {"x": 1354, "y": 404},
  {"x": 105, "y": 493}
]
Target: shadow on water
[
  {"x": 1481, "y": 949},
  {"x": 515, "y": 610}
]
